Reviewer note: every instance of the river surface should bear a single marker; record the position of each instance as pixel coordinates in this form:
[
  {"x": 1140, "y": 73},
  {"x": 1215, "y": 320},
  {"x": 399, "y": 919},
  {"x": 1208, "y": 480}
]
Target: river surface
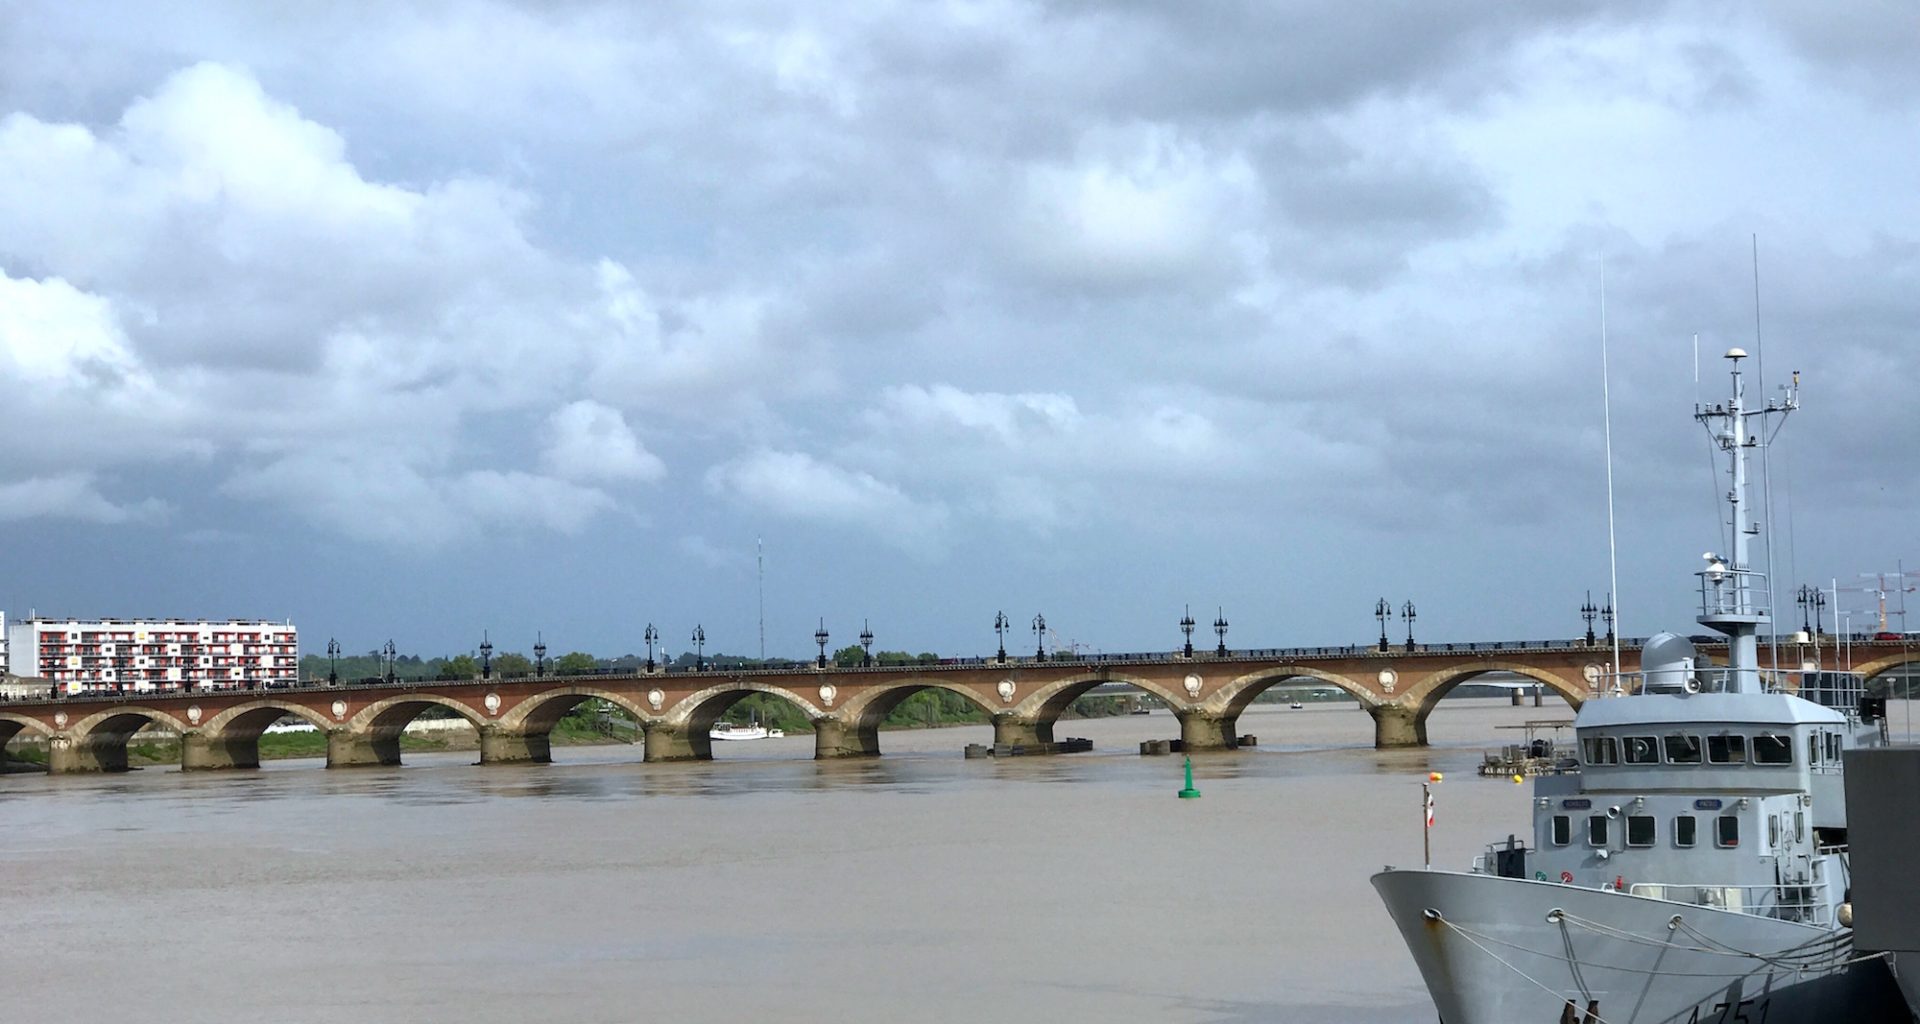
[{"x": 761, "y": 886}]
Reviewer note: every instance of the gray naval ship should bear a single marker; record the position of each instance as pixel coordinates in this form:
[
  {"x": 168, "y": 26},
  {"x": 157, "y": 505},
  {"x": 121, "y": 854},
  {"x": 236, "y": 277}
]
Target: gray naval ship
[{"x": 1695, "y": 868}]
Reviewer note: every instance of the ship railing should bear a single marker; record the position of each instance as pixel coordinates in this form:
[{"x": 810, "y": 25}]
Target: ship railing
[
  {"x": 1838, "y": 690},
  {"x": 1805, "y": 903},
  {"x": 1725, "y": 591}
]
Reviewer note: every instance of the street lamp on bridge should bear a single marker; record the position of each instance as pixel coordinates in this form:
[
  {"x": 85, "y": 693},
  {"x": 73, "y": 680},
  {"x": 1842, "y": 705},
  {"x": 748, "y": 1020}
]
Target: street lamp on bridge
[
  {"x": 1220, "y": 630},
  {"x": 333, "y": 653},
  {"x": 1812, "y": 601},
  {"x": 1587, "y": 612},
  {"x": 1186, "y": 629},
  {"x": 1407, "y": 613},
  {"x": 1040, "y": 631},
  {"x": 486, "y": 656},
  {"x": 539, "y": 655},
  {"x": 1383, "y": 611},
  {"x": 652, "y": 636},
  {"x": 699, "y": 649},
  {"x": 1606, "y": 615},
  {"x": 389, "y": 652},
  {"x": 1000, "y": 627},
  {"x": 820, "y": 637},
  {"x": 866, "y": 644}
]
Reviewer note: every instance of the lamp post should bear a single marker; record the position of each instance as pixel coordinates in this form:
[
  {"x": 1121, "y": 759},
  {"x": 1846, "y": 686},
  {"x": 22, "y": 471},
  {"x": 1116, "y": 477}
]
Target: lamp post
[
  {"x": 333, "y": 654},
  {"x": 1587, "y": 612},
  {"x": 699, "y": 649},
  {"x": 389, "y": 652},
  {"x": 1407, "y": 613},
  {"x": 1606, "y": 615},
  {"x": 652, "y": 637},
  {"x": 866, "y": 644},
  {"x": 1382, "y": 611},
  {"x": 1000, "y": 626},
  {"x": 1040, "y": 633},
  {"x": 1220, "y": 630},
  {"x": 486, "y": 656},
  {"x": 1186, "y": 629},
  {"x": 820, "y": 637},
  {"x": 1812, "y": 601},
  {"x": 539, "y": 656}
]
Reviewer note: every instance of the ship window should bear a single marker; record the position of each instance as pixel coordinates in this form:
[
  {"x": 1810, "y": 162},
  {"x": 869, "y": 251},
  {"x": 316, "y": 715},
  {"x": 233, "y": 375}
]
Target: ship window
[
  {"x": 1800, "y": 826},
  {"x": 1642, "y": 750},
  {"x": 1727, "y": 831},
  {"x": 1597, "y": 830},
  {"x": 1728, "y": 748},
  {"x": 1773, "y": 830},
  {"x": 1640, "y": 830},
  {"x": 1562, "y": 829},
  {"x": 1769, "y": 749},
  {"x": 1813, "y": 748},
  {"x": 1602, "y": 750},
  {"x": 1683, "y": 749},
  {"x": 1833, "y": 747},
  {"x": 1683, "y": 830}
]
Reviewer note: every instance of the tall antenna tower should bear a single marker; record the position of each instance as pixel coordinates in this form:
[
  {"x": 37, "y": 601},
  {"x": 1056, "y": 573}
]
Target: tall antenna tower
[{"x": 760, "y": 570}]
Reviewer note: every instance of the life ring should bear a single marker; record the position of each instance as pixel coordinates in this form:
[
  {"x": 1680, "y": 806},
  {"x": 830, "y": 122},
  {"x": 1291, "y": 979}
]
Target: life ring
[{"x": 1566, "y": 877}]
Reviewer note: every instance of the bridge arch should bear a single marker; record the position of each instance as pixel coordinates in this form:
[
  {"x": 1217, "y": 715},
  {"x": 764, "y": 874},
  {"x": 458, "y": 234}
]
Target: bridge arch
[
  {"x": 12, "y": 725},
  {"x": 1873, "y": 670},
  {"x": 1237, "y": 694},
  {"x": 372, "y": 737},
  {"x": 99, "y": 741},
  {"x": 867, "y": 711},
  {"x": 1032, "y": 718},
  {"x": 525, "y": 732},
  {"x": 231, "y": 739},
  {"x": 685, "y": 730},
  {"x": 1426, "y": 695}
]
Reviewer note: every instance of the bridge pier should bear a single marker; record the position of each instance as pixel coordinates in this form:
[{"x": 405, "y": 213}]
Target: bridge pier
[
  {"x": 1205, "y": 731},
  {"x": 69, "y": 755},
  {"x": 1013, "y": 730},
  {"x": 1396, "y": 725},
  {"x": 836, "y": 738},
  {"x": 202, "y": 751},
  {"x": 674, "y": 743},
  {"x": 504, "y": 746},
  {"x": 348, "y": 749}
]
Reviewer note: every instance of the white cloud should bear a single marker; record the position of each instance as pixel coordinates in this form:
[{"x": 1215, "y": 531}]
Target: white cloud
[
  {"x": 70, "y": 496},
  {"x": 797, "y": 485},
  {"x": 589, "y": 441}
]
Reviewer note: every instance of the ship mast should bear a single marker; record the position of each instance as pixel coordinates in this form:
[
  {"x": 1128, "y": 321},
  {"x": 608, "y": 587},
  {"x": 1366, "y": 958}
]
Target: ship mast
[{"x": 1732, "y": 594}]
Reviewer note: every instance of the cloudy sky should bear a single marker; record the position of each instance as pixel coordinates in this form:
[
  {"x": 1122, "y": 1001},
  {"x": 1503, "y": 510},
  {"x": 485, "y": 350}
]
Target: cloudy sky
[{"x": 409, "y": 320}]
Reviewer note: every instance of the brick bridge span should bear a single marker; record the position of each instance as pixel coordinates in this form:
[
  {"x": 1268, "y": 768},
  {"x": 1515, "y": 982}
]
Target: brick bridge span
[{"x": 1023, "y": 697}]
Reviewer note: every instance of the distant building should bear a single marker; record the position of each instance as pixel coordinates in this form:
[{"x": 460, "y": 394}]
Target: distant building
[
  {"x": 144, "y": 655},
  {"x": 4, "y": 670}
]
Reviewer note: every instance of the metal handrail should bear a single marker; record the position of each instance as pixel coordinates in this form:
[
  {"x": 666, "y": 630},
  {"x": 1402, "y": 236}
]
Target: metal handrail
[{"x": 1804, "y": 902}]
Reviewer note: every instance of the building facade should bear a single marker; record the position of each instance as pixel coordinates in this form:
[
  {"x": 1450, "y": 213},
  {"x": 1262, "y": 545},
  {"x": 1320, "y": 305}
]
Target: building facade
[
  {"x": 5, "y": 671},
  {"x": 145, "y": 655}
]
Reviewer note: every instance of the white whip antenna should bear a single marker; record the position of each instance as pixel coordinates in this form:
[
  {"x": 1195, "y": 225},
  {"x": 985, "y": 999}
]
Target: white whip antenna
[
  {"x": 1766, "y": 468},
  {"x": 1606, "y": 412},
  {"x": 760, "y": 569}
]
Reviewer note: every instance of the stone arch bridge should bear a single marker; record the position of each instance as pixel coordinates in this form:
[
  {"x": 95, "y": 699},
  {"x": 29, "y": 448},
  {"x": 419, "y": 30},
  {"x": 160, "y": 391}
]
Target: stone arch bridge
[{"x": 1023, "y": 697}]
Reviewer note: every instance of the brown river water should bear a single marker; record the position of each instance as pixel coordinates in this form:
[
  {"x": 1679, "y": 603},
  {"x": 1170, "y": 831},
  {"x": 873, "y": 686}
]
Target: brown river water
[{"x": 761, "y": 886}]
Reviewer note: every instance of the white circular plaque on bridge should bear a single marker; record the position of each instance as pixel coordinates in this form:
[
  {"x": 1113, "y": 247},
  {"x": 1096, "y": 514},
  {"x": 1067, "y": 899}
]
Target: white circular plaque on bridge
[
  {"x": 193, "y": 714},
  {"x": 1005, "y": 689},
  {"x": 827, "y": 693},
  {"x": 1193, "y": 686},
  {"x": 1591, "y": 673},
  {"x": 1809, "y": 666},
  {"x": 656, "y": 698},
  {"x": 60, "y": 719},
  {"x": 339, "y": 709},
  {"x": 492, "y": 701},
  {"x": 1388, "y": 678}
]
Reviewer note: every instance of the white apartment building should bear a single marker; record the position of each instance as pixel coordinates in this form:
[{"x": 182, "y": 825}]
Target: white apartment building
[
  {"x": 144, "y": 655},
  {"x": 4, "y": 670}
]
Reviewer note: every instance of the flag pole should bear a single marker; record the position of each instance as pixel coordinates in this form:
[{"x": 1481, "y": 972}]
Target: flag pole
[{"x": 1426, "y": 824}]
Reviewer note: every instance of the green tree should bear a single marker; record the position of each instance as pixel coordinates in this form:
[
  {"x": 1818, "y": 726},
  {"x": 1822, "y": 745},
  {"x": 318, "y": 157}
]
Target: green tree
[
  {"x": 511, "y": 664},
  {"x": 574, "y": 663},
  {"x": 849, "y": 656},
  {"x": 460, "y": 666}
]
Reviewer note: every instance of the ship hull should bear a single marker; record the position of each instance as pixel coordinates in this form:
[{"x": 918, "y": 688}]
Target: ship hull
[{"x": 1493, "y": 956}]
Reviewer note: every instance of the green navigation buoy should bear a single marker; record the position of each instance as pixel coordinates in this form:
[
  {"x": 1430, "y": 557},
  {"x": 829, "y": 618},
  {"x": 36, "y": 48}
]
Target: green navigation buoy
[{"x": 1189, "y": 793}]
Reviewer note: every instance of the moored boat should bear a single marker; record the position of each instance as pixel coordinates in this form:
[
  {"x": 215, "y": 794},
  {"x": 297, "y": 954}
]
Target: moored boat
[{"x": 1694, "y": 868}]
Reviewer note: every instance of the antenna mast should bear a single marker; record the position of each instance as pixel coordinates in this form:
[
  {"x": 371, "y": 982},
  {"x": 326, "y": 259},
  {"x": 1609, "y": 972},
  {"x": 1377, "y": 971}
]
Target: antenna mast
[
  {"x": 760, "y": 569},
  {"x": 1606, "y": 404}
]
